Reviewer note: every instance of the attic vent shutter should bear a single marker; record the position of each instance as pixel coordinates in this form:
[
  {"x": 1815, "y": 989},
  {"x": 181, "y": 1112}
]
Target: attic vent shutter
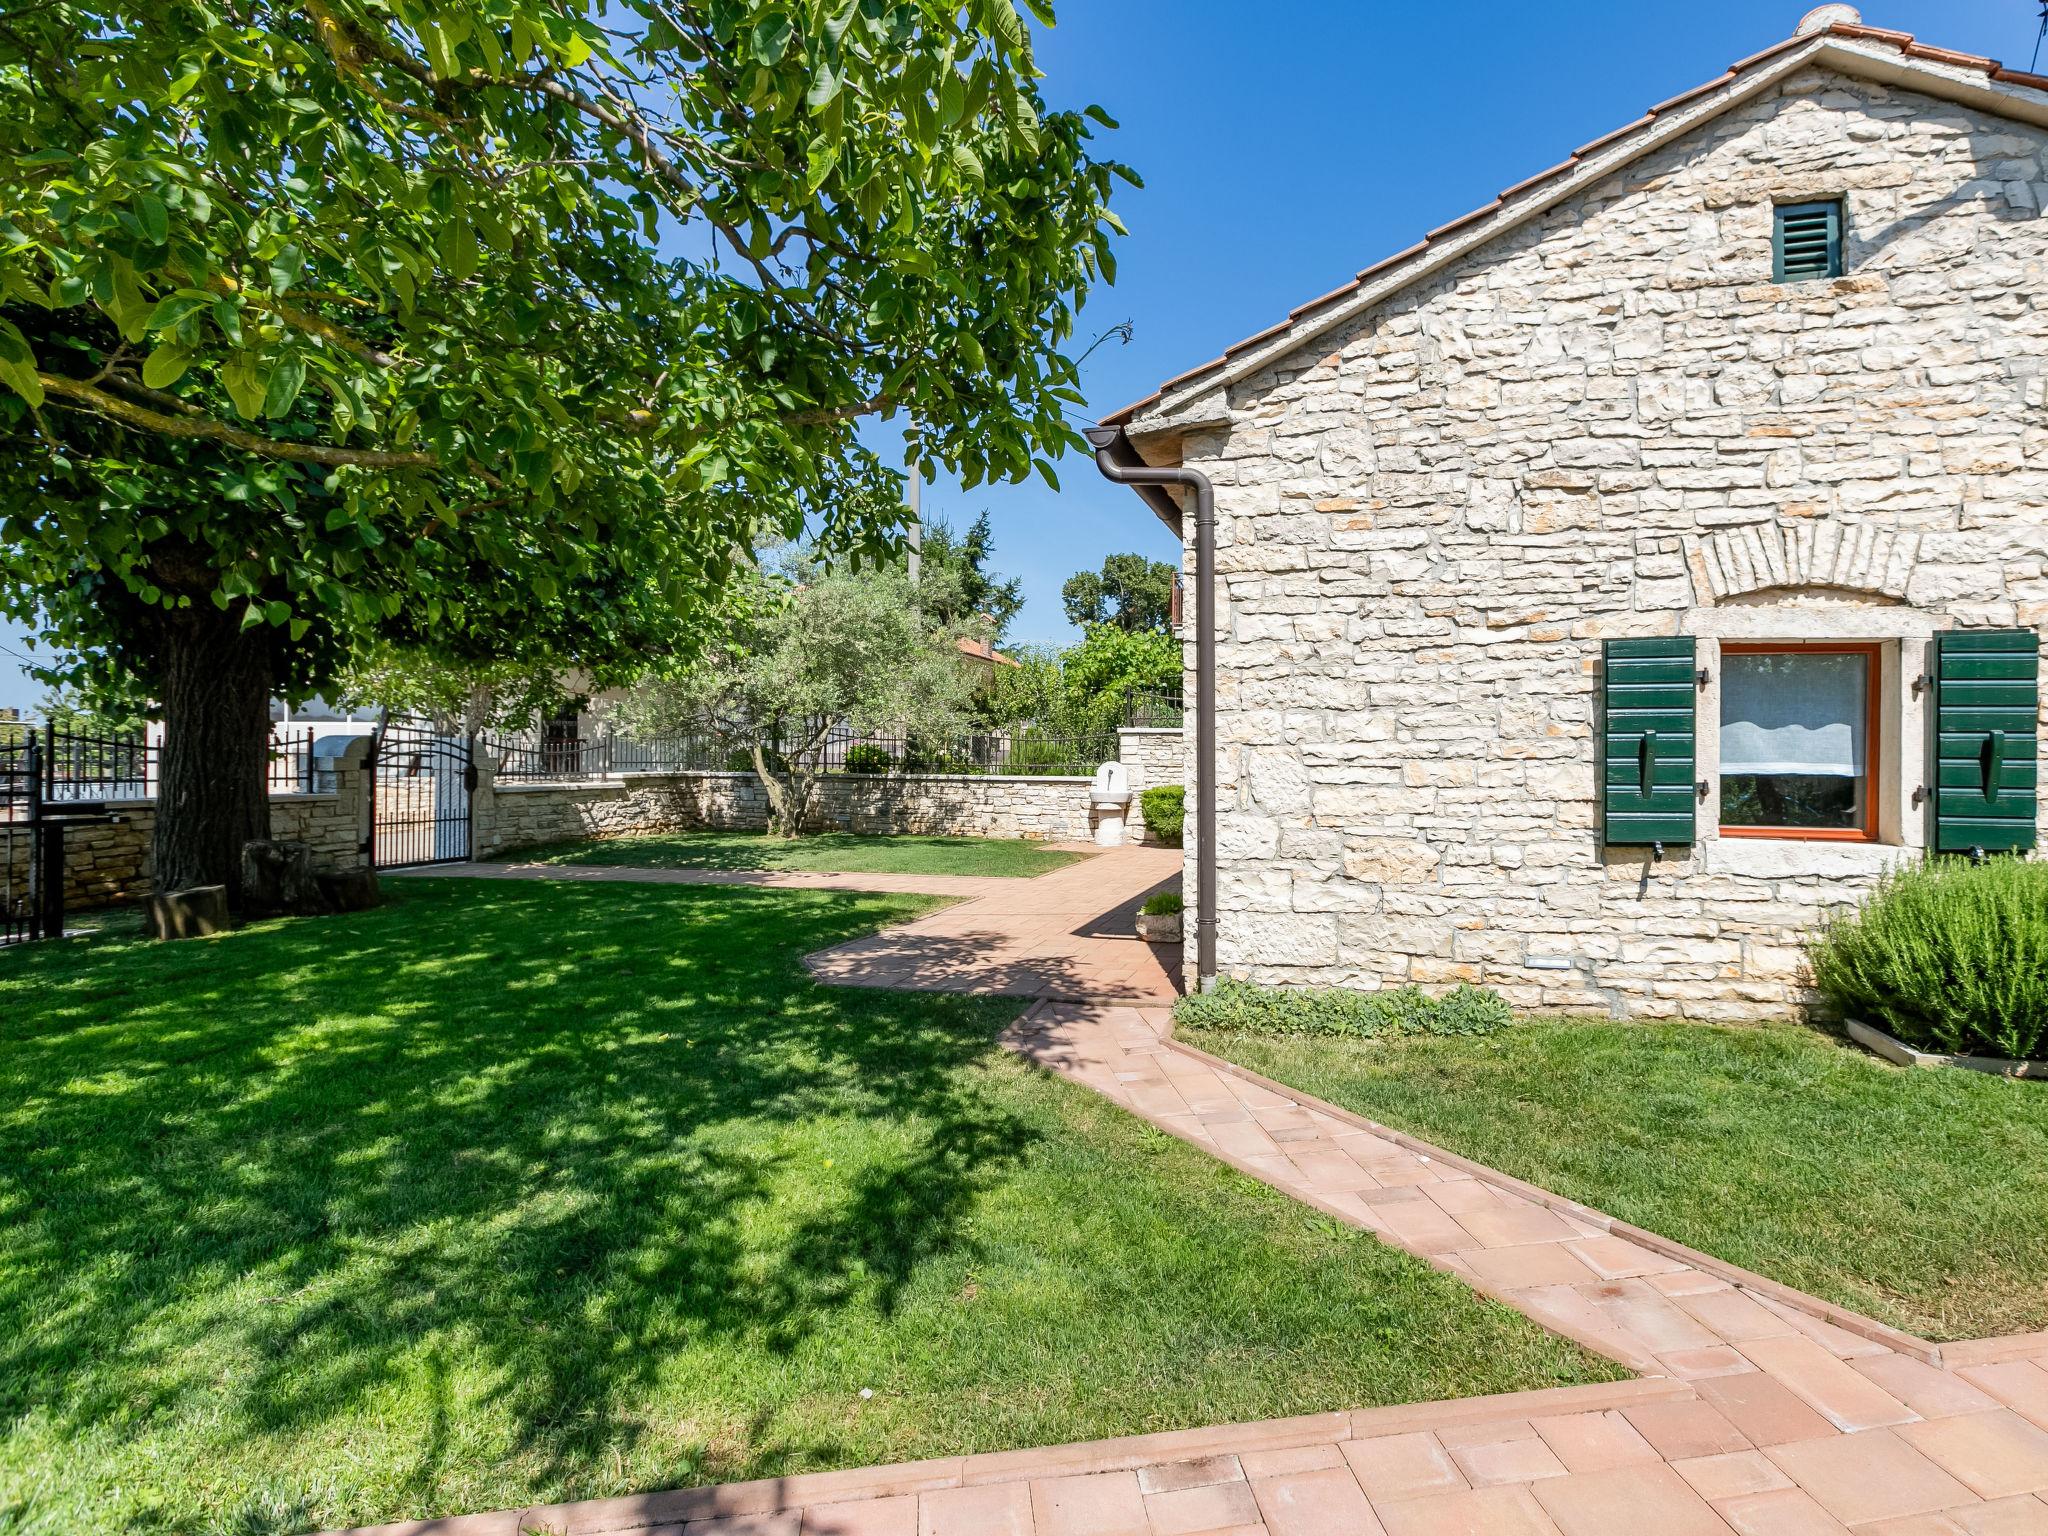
[
  {"x": 1648, "y": 772},
  {"x": 1806, "y": 242},
  {"x": 1987, "y": 708}
]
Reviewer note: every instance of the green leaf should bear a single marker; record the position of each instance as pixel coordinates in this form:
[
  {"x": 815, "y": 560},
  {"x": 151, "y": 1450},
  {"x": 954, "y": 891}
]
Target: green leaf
[
  {"x": 18, "y": 365},
  {"x": 287, "y": 378},
  {"x": 178, "y": 306},
  {"x": 244, "y": 378},
  {"x": 156, "y": 219},
  {"x": 165, "y": 366},
  {"x": 772, "y": 34}
]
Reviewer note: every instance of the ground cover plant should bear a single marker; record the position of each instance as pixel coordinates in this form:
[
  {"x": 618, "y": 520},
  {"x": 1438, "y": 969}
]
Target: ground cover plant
[
  {"x": 1234, "y": 1005},
  {"x": 1917, "y": 1197},
  {"x": 511, "y": 1192},
  {"x": 1947, "y": 956},
  {"x": 827, "y": 852}
]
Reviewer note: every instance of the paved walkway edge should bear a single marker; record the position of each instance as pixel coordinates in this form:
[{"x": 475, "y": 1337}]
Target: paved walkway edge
[
  {"x": 1827, "y": 1311},
  {"x": 767, "y": 1495}
]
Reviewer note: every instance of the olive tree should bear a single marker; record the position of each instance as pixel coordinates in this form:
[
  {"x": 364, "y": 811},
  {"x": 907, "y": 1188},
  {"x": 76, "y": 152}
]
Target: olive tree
[
  {"x": 805, "y": 657},
  {"x": 495, "y": 328}
]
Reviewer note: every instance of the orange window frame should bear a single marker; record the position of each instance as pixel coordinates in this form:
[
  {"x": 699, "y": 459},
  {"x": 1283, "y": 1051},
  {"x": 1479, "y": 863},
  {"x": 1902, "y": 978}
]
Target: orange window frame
[{"x": 1872, "y": 653}]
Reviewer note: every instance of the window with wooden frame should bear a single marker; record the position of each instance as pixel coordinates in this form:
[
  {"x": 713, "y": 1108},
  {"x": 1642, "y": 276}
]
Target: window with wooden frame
[{"x": 1799, "y": 740}]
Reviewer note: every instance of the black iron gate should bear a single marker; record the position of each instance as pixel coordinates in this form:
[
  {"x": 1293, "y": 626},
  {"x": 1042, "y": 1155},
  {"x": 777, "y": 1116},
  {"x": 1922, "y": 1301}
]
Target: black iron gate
[
  {"x": 420, "y": 783},
  {"x": 36, "y": 808}
]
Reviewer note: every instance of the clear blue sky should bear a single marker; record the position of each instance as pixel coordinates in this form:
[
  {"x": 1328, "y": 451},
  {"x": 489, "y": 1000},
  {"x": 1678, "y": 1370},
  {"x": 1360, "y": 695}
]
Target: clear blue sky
[{"x": 1287, "y": 144}]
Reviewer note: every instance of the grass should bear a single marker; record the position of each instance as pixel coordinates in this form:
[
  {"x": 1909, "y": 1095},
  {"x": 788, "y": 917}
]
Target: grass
[
  {"x": 515, "y": 1192},
  {"x": 827, "y": 852},
  {"x": 1916, "y": 1197}
]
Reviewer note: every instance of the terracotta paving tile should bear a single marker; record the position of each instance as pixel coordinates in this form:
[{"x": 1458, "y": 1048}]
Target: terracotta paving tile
[
  {"x": 2004, "y": 1517},
  {"x": 1688, "y": 1282},
  {"x": 863, "y": 1517},
  {"x": 1627, "y": 1501},
  {"x": 1593, "y": 1442},
  {"x": 1532, "y": 1264},
  {"x": 1506, "y": 1461},
  {"x": 1870, "y": 1476},
  {"x": 1479, "y": 1512},
  {"x": 1683, "y": 1429},
  {"x": 2021, "y": 1385},
  {"x": 1466, "y": 1432},
  {"x": 1731, "y": 1475},
  {"x": 1093, "y": 1504},
  {"x": 1765, "y": 1410},
  {"x": 1420, "y": 1225},
  {"x": 989, "y": 1509},
  {"x": 1846, "y": 1399},
  {"x": 1784, "y": 1512},
  {"x": 1912, "y": 1525},
  {"x": 1512, "y": 1224},
  {"x": 1997, "y": 1454},
  {"x": 1456, "y": 1195},
  {"x": 1733, "y": 1316},
  {"x": 1645, "y": 1314},
  {"x": 1929, "y": 1392},
  {"x": 1297, "y": 1458},
  {"x": 1390, "y": 1467},
  {"x": 1172, "y": 1476},
  {"x": 1326, "y": 1503},
  {"x": 1697, "y": 1364},
  {"x": 1212, "y": 1507},
  {"x": 1614, "y": 1258},
  {"x": 787, "y": 1522}
]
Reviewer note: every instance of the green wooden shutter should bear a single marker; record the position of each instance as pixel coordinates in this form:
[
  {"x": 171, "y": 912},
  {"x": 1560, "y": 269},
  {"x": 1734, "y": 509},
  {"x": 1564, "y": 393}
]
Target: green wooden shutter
[
  {"x": 1987, "y": 686},
  {"x": 1806, "y": 242},
  {"x": 1648, "y": 774}
]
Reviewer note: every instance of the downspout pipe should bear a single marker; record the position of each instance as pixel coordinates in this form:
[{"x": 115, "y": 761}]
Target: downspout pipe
[{"x": 1125, "y": 468}]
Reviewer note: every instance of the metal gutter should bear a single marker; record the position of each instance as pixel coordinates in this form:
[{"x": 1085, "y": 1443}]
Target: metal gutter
[{"x": 1119, "y": 461}]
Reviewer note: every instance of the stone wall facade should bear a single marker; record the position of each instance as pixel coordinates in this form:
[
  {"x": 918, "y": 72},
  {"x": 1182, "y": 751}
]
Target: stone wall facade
[
  {"x": 108, "y": 863},
  {"x": 1610, "y": 421},
  {"x": 509, "y": 816}
]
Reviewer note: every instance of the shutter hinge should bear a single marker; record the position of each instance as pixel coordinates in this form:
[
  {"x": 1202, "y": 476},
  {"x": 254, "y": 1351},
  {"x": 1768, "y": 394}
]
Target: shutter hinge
[
  {"x": 1922, "y": 683},
  {"x": 1701, "y": 788},
  {"x": 1704, "y": 679}
]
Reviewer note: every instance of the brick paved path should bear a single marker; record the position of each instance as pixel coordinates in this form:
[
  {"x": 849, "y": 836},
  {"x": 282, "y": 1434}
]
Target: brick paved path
[{"x": 1757, "y": 1411}]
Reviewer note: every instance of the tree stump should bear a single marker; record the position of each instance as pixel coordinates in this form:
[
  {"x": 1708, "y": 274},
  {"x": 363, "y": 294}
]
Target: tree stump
[
  {"x": 348, "y": 890},
  {"x": 187, "y": 914},
  {"x": 277, "y": 879}
]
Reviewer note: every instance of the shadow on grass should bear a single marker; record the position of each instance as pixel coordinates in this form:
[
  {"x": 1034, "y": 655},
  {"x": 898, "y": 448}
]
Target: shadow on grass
[{"x": 554, "y": 1131}]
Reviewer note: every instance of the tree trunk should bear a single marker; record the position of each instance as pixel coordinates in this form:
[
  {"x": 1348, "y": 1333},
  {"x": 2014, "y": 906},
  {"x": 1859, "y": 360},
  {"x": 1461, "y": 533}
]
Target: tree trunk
[
  {"x": 215, "y": 681},
  {"x": 789, "y": 794}
]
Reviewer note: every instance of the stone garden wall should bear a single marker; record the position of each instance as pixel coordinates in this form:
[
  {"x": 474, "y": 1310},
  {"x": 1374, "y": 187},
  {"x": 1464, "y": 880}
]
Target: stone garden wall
[
  {"x": 109, "y": 863},
  {"x": 1610, "y": 421},
  {"x": 1038, "y": 809},
  {"x": 1155, "y": 756}
]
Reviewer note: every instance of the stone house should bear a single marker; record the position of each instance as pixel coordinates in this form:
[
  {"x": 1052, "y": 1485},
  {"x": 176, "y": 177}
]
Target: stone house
[{"x": 1630, "y": 572}]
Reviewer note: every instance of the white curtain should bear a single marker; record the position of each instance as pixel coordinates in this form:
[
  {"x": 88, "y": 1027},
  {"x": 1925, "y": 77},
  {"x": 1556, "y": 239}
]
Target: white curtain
[{"x": 1793, "y": 712}]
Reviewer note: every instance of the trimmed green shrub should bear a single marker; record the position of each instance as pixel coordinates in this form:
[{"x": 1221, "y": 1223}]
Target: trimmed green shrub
[
  {"x": 1044, "y": 755},
  {"x": 1165, "y": 808},
  {"x": 1162, "y": 904},
  {"x": 1246, "y": 1008},
  {"x": 1947, "y": 956},
  {"x": 869, "y": 758}
]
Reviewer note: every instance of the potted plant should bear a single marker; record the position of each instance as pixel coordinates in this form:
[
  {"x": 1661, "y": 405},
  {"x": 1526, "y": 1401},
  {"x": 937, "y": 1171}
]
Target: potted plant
[{"x": 1159, "y": 918}]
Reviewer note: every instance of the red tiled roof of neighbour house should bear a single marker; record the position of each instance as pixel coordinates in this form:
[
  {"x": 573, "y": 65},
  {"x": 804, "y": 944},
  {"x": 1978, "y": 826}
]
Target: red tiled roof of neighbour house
[
  {"x": 1905, "y": 42},
  {"x": 981, "y": 650}
]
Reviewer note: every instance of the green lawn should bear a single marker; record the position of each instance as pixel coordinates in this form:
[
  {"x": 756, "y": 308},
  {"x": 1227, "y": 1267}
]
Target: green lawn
[
  {"x": 830, "y": 852},
  {"x": 511, "y": 1192},
  {"x": 1917, "y": 1197}
]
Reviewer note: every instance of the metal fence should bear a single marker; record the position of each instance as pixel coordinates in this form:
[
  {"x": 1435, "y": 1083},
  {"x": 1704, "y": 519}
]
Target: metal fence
[
  {"x": 1020, "y": 750},
  {"x": 85, "y": 765},
  {"x": 1157, "y": 707}
]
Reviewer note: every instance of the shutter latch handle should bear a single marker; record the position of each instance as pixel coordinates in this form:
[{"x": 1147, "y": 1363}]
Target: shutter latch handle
[
  {"x": 1646, "y": 751},
  {"x": 1994, "y": 763}
]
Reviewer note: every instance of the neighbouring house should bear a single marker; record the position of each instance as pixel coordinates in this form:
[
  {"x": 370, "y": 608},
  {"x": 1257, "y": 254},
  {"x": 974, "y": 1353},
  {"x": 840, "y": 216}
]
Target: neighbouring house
[{"x": 1630, "y": 572}]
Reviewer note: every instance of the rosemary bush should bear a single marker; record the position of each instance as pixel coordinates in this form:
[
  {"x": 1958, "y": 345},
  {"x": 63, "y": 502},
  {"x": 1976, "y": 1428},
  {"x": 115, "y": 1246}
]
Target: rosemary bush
[{"x": 1946, "y": 956}]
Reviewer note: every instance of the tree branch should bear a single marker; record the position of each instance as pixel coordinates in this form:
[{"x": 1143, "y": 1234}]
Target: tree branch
[{"x": 206, "y": 429}]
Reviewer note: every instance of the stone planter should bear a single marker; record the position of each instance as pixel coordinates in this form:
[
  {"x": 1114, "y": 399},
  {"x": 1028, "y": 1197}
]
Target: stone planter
[
  {"x": 1898, "y": 1052},
  {"x": 1159, "y": 927}
]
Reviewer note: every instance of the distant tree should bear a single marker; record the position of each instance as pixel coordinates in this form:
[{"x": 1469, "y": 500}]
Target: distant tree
[
  {"x": 1084, "y": 689},
  {"x": 1130, "y": 592},
  {"x": 461, "y": 696},
  {"x": 71, "y": 709},
  {"x": 805, "y": 654},
  {"x": 957, "y": 587}
]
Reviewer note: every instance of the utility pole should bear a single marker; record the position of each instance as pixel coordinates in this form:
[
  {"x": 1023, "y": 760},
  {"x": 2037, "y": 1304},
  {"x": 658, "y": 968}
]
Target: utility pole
[{"x": 916, "y": 539}]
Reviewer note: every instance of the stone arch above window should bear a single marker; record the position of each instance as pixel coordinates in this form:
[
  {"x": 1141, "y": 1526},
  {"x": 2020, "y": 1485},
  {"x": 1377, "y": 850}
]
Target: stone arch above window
[{"x": 1760, "y": 557}]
